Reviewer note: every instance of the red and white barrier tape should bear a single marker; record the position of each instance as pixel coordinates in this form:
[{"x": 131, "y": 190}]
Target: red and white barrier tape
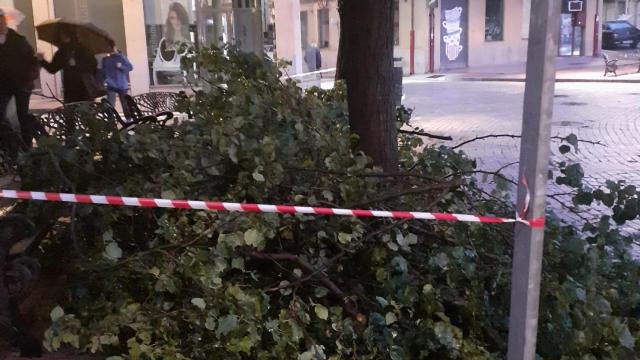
[{"x": 256, "y": 208}]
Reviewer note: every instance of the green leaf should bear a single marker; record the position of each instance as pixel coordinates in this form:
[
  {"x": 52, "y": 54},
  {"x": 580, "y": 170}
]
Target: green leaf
[
  {"x": 199, "y": 302},
  {"x": 210, "y": 323},
  {"x": 168, "y": 194},
  {"x": 565, "y": 149},
  {"x": 233, "y": 153},
  {"x": 258, "y": 177},
  {"x": 344, "y": 238},
  {"x": 584, "y": 198},
  {"x": 573, "y": 140},
  {"x": 390, "y": 318},
  {"x": 397, "y": 353},
  {"x": 411, "y": 239},
  {"x": 237, "y": 263},
  {"x": 226, "y": 324},
  {"x": 441, "y": 260},
  {"x": 254, "y": 238},
  {"x": 382, "y": 302},
  {"x": 112, "y": 251},
  {"x": 154, "y": 271},
  {"x": 321, "y": 292},
  {"x": 321, "y": 312},
  {"x": 56, "y": 314},
  {"x": 427, "y": 289},
  {"x": 316, "y": 352},
  {"x": 626, "y": 339}
]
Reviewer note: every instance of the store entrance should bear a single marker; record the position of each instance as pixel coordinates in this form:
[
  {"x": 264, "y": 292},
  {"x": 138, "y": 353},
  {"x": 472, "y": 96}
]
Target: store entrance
[{"x": 572, "y": 28}]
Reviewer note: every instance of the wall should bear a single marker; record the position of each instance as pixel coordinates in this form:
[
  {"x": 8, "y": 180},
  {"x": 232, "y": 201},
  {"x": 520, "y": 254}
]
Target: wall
[
  {"x": 288, "y": 40},
  {"x": 132, "y": 14},
  {"x": 421, "y": 33},
  {"x": 51, "y": 83},
  {"x": 512, "y": 49},
  {"x": 329, "y": 54},
  {"x": 105, "y": 14}
]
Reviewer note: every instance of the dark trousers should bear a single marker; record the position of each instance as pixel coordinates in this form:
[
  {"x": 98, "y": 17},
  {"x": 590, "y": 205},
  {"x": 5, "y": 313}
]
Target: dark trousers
[
  {"x": 8, "y": 138},
  {"x": 111, "y": 97}
]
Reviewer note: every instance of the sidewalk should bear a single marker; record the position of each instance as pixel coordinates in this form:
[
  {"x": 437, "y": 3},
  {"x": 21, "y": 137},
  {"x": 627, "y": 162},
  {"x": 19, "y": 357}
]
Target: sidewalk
[{"x": 568, "y": 69}]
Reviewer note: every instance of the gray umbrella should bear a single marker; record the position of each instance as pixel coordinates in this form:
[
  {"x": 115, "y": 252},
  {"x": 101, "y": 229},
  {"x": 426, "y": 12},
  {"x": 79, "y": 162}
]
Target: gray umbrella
[{"x": 88, "y": 35}]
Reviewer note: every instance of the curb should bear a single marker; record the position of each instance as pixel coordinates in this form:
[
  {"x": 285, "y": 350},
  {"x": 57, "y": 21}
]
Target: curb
[{"x": 629, "y": 81}]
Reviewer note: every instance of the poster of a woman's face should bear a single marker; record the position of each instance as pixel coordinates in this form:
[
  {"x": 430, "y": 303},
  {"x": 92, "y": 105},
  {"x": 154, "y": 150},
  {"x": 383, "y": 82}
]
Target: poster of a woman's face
[
  {"x": 168, "y": 24},
  {"x": 177, "y": 25}
]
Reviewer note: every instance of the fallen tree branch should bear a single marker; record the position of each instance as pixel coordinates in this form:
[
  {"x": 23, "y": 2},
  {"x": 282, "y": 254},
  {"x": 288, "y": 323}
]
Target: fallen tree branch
[
  {"x": 444, "y": 186},
  {"x": 309, "y": 269},
  {"x": 511, "y": 136},
  {"x": 425, "y": 134},
  {"x": 364, "y": 175}
]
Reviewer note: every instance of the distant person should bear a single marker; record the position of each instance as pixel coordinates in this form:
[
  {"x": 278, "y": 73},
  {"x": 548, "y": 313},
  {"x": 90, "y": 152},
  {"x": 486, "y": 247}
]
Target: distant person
[
  {"x": 313, "y": 58},
  {"x": 18, "y": 70},
  {"x": 116, "y": 68},
  {"x": 79, "y": 68}
]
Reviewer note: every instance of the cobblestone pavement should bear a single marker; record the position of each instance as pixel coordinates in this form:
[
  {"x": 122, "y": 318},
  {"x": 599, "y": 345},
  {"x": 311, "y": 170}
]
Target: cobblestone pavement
[{"x": 599, "y": 112}]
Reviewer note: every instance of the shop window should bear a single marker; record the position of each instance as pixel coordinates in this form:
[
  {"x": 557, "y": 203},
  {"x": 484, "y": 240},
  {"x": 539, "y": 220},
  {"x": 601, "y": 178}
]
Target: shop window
[
  {"x": 396, "y": 22},
  {"x": 323, "y": 28},
  {"x": 494, "y": 18},
  {"x": 170, "y": 31}
]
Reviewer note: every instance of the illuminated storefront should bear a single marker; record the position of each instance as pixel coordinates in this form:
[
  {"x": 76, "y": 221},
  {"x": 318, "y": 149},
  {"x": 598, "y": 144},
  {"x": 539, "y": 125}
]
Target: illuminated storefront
[{"x": 153, "y": 34}]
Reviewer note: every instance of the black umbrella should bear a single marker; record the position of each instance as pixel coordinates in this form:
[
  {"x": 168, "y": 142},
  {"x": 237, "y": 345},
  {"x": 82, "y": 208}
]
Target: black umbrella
[{"x": 88, "y": 35}]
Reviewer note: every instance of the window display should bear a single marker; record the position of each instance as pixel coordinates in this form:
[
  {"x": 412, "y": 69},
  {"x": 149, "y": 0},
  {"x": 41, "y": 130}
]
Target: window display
[{"x": 170, "y": 29}]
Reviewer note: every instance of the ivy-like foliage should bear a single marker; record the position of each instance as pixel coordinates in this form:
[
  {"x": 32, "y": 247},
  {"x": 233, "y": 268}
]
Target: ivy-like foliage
[{"x": 173, "y": 284}]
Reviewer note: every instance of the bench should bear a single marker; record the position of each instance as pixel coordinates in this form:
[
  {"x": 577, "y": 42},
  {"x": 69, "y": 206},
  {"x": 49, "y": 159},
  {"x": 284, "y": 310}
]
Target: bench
[
  {"x": 162, "y": 103},
  {"x": 613, "y": 60},
  {"x": 63, "y": 121}
]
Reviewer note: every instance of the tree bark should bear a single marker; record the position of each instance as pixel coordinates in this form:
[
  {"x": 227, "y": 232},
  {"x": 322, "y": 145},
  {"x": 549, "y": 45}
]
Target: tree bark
[{"x": 365, "y": 63}]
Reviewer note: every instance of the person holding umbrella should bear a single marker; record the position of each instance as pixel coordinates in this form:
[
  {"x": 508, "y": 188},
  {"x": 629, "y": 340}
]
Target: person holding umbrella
[
  {"x": 18, "y": 70},
  {"x": 78, "y": 65}
]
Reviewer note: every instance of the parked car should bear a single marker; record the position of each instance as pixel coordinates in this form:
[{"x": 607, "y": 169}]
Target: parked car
[{"x": 619, "y": 32}]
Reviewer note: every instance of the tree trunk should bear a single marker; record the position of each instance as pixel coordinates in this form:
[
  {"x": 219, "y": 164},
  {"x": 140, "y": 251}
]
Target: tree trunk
[{"x": 365, "y": 62}]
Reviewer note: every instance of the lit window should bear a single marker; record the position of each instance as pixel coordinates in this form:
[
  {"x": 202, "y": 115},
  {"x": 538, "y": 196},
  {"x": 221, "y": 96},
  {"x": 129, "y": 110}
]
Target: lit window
[
  {"x": 323, "y": 28},
  {"x": 493, "y": 30}
]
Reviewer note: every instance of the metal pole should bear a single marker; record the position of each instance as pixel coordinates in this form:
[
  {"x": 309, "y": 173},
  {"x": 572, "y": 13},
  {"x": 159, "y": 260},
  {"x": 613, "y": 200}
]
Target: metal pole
[
  {"x": 534, "y": 161},
  {"x": 596, "y": 29},
  {"x": 412, "y": 41},
  {"x": 432, "y": 41}
]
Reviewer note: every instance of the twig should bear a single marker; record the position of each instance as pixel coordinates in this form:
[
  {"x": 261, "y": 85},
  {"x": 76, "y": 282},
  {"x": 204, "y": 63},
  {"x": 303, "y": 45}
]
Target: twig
[
  {"x": 442, "y": 186},
  {"x": 373, "y": 175},
  {"x": 517, "y": 137},
  {"x": 52, "y": 96},
  {"x": 571, "y": 209},
  {"x": 425, "y": 134},
  {"x": 348, "y": 305}
]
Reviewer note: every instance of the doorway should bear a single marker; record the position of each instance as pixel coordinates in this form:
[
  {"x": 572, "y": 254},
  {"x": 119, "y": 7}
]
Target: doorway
[{"x": 572, "y": 28}]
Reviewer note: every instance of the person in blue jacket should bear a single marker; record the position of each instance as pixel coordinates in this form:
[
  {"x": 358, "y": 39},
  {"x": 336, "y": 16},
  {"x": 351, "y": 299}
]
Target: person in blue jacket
[{"x": 116, "y": 68}]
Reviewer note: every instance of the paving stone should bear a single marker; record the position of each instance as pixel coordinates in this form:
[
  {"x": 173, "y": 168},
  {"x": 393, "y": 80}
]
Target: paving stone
[{"x": 603, "y": 112}]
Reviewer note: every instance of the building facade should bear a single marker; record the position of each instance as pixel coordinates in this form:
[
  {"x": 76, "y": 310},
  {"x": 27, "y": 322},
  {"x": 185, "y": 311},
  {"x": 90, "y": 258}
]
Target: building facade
[
  {"x": 628, "y": 10},
  {"x": 430, "y": 35},
  {"x": 439, "y": 35},
  {"x": 153, "y": 34}
]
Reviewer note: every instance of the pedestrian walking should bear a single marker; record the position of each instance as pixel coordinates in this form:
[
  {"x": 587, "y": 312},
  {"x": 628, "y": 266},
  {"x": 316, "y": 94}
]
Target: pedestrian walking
[
  {"x": 116, "y": 68},
  {"x": 18, "y": 70},
  {"x": 313, "y": 58},
  {"x": 79, "y": 68}
]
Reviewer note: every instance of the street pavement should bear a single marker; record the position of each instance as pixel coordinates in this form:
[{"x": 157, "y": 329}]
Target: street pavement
[{"x": 604, "y": 112}]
